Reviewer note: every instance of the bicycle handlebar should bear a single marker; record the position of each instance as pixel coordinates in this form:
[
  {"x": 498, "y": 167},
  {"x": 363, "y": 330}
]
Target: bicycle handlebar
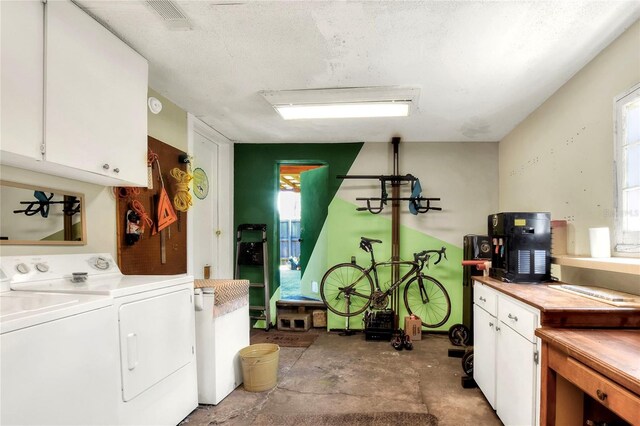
[{"x": 423, "y": 257}]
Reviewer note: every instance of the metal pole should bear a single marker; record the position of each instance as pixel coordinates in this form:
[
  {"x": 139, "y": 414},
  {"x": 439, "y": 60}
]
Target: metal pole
[{"x": 395, "y": 230}]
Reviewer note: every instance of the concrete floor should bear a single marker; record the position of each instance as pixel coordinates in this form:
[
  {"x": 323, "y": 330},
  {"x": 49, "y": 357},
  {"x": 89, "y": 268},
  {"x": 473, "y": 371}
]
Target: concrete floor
[{"x": 347, "y": 380}]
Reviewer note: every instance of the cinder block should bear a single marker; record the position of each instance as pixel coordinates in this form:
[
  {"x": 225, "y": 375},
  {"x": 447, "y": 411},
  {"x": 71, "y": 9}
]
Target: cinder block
[{"x": 294, "y": 322}]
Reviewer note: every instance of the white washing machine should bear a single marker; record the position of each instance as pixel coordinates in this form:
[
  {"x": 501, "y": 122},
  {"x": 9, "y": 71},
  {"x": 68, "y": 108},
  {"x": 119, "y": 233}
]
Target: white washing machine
[
  {"x": 152, "y": 317},
  {"x": 58, "y": 356}
]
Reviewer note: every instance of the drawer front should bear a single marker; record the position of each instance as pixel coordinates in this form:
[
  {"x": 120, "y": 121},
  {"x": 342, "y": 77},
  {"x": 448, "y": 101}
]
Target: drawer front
[
  {"x": 613, "y": 396},
  {"x": 517, "y": 317},
  {"x": 485, "y": 297}
]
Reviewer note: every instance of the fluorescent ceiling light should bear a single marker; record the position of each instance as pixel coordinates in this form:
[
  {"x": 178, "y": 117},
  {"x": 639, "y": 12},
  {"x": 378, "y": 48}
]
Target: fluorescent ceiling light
[
  {"x": 355, "y": 102},
  {"x": 350, "y": 110}
]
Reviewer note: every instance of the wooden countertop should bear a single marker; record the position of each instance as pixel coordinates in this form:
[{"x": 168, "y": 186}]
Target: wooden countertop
[
  {"x": 563, "y": 309},
  {"x": 613, "y": 353}
]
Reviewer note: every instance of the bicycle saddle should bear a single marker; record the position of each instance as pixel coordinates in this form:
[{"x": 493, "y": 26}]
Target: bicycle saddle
[
  {"x": 369, "y": 240},
  {"x": 365, "y": 244}
]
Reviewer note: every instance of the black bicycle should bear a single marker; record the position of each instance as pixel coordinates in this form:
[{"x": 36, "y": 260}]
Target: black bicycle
[{"x": 348, "y": 289}]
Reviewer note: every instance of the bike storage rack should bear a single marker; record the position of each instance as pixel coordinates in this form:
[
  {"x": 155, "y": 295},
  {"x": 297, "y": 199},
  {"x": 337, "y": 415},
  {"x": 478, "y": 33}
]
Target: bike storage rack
[
  {"x": 252, "y": 260},
  {"x": 417, "y": 204}
]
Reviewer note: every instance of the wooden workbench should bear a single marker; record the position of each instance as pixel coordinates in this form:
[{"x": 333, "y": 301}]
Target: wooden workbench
[
  {"x": 602, "y": 363},
  {"x": 562, "y": 309}
]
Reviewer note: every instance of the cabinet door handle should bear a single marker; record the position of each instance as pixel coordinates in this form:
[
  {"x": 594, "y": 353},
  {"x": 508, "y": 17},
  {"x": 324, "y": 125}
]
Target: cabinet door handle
[
  {"x": 497, "y": 328},
  {"x": 601, "y": 395},
  {"x": 490, "y": 324},
  {"x": 513, "y": 317},
  {"x": 482, "y": 299},
  {"x": 105, "y": 166},
  {"x": 116, "y": 170}
]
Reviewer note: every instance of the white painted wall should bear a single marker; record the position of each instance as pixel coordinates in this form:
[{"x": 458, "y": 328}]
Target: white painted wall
[
  {"x": 464, "y": 175},
  {"x": 170, "y": 125},
  {"x": 560, "y": 159}
]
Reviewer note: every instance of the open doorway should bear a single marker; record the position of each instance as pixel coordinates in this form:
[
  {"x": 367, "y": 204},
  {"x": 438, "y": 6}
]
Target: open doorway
[{"x": 293, "y": 256}]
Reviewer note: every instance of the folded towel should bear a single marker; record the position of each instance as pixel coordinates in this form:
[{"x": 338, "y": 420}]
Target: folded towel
[{"x": 414, "y": 203}]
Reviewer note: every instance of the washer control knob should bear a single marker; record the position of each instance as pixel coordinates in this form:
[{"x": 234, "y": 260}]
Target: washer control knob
[
  {"x": 22, "y": 268},
  {"x": 42, "y": 267}
]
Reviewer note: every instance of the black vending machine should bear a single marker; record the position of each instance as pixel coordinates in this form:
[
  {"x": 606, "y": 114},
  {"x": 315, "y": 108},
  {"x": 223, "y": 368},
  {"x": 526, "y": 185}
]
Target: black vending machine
[{"x": 520, "y": 247}]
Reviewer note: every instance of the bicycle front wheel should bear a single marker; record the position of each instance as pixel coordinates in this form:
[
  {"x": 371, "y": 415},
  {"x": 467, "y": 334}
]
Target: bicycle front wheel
[
  {"x": 346, "y": 289},
  {"x": 425, "y": 297}
]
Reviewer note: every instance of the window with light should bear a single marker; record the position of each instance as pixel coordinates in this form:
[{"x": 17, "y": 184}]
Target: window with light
[{"x": 627, "y": 157}]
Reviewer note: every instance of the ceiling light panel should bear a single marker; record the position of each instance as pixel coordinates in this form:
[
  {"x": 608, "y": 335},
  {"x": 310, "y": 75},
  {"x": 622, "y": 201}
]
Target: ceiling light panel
[
  {"x": 351, "y": 110},
  {"x": 358, "y": 102}
]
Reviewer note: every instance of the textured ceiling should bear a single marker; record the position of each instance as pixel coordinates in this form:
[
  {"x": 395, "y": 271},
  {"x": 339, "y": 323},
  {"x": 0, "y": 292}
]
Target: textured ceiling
[{"x": 482, "y": 67}]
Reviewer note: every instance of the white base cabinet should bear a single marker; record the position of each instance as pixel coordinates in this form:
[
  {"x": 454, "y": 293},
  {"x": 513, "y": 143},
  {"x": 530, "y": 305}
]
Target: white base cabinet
[
  {"x": 506, "y": 366},
  {"x": 484, "y": 355},
  {"x": 80, "y": 112},
  {"x": 515, "y": 378}
]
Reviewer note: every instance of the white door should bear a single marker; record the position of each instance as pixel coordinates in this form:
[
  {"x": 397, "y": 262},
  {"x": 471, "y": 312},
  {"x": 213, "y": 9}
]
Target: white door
[
  {"x": 206, "y": 217},
  {"x": 515, "y": 378},
  {"x": 484, "y": 353},
  {"x": 210, "y": 233}
]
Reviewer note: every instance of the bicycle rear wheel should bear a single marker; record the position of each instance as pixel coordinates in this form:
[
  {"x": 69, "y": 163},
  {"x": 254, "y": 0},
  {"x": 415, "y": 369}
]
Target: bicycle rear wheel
[
  {"x": 346, "y": 289},
  {"x": 425, "y": 297}
]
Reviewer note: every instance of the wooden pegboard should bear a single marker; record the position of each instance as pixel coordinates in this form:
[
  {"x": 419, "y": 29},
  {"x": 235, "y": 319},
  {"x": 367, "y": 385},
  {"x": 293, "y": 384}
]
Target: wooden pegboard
[{"x": 144, "y": 257}]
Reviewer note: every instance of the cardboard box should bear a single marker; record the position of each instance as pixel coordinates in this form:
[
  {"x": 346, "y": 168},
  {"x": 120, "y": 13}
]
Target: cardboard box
[
  {"x": 319, "y": 318},
  {"x": 558, "y": 237},
  {"x": 413, "y": 327}
]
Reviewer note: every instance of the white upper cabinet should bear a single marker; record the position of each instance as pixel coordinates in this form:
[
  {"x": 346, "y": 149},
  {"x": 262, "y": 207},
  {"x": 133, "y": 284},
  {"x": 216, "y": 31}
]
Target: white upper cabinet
[
  {"x": 95, "y": 94},
  {"x": 21, "y": 80},
  {"x": 88, "y": 94}
]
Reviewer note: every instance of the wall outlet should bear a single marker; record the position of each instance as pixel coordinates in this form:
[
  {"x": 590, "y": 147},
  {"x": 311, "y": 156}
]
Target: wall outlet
[{"x": 314, "y": 286}]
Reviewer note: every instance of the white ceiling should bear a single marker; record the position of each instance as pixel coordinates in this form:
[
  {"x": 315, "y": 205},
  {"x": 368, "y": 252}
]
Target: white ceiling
[{"x": 482, "y": 67}]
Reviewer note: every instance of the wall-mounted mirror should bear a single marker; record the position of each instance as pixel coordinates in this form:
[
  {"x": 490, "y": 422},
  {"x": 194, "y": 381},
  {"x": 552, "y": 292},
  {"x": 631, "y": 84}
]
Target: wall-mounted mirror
[{"x": 37, "y": 215}]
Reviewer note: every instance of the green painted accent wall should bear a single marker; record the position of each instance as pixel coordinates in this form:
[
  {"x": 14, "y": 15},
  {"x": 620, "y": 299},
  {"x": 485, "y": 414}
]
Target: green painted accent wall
[
  {"x": 256, "y": 184},
  {"x": 346, "y": 226}
]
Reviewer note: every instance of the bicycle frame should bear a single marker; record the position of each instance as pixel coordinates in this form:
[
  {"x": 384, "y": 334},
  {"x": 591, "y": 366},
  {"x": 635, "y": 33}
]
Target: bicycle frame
[{"x": 374, "y": 268}]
